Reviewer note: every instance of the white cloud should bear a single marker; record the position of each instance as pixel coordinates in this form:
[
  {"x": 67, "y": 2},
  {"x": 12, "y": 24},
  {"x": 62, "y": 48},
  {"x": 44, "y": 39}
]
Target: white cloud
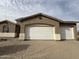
[{"x": 63, "y": 9}]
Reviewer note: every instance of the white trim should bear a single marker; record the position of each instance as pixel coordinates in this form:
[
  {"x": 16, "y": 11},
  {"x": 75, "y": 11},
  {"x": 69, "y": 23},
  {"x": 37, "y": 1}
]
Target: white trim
[{"x": 40, "y": 35}]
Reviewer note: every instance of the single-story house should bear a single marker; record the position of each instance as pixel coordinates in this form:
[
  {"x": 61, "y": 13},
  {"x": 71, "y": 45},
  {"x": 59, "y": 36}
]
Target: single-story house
[{"x": 38, "y": 27}]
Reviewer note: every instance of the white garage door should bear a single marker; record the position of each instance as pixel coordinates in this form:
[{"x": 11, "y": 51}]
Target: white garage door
[
  {"x": 67, "y": 32},
  {"x": 42, "y": 33}
]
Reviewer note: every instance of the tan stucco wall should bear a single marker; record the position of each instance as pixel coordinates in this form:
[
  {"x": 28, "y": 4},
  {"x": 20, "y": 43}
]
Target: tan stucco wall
[
  {"x": 75, "y": 31},
  {"x": 37, "y": 20},
  {"x": 7, "y": 35}
]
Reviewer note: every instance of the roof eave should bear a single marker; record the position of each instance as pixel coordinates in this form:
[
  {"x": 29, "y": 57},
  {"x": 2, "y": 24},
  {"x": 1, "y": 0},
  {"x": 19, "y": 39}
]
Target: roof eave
[
  {"x": 39, "y": 14},
  {"x": 8, "y": 21},
  {"x": 70, "y": 21}
]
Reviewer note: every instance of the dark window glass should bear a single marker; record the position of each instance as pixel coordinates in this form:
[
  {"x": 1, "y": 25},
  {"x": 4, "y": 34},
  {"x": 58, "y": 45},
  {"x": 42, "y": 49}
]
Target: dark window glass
[{"x": 5, "y": 28}]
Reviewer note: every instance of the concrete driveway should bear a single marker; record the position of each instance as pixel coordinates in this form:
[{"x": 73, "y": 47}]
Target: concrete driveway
[{"x": 39, "y": 50}]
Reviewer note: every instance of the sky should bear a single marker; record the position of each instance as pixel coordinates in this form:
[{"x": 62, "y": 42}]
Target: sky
[{"x": 67, "y": 10}]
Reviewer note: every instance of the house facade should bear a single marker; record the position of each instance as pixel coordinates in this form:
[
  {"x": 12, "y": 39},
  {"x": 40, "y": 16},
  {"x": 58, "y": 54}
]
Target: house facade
[{"x": 38, "y": 27}]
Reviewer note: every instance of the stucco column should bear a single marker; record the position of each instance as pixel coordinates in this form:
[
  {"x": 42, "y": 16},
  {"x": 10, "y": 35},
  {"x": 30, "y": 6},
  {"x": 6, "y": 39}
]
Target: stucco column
[
  {"x": 22, "y": 33},
  {"x": 75, "y": 32},
  {"x": 58, "y": 36}
]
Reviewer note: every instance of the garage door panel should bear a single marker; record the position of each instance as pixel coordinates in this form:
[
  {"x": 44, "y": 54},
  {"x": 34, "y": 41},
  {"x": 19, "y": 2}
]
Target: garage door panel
[{"x": 40, "y": 33}]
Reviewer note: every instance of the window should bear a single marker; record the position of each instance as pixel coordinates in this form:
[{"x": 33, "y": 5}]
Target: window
[{"x": 5, "y": 28}]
